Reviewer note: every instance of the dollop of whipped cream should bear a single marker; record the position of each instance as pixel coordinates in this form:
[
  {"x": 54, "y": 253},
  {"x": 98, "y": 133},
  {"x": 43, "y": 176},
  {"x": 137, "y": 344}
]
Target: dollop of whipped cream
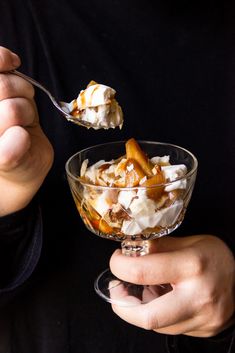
[{"x": 97, "y": 105}]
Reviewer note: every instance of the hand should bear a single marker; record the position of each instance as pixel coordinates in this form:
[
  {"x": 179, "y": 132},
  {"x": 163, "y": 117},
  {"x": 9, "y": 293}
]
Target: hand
[
  {"x": 201, "y": 271},
  {"x": 25, "y": 153}
]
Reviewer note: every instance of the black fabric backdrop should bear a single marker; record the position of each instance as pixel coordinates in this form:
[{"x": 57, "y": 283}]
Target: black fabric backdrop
[{"x": 172, "y": 64}]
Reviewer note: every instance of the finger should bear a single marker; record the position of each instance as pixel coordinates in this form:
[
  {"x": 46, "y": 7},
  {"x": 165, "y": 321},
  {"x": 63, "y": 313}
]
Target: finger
[
  {"x": 158, "y": 268},
  {"x": 188, "y": 327},
  {"x": 16, "y": 111},
  {"x": 8, "y": 59},
  {"x": 12, "y": 86},
  {"x": 168, "y": 243},
  {"x": 128, "y": 294},
  {"x": 165, "y": 311},
  {"x": 14, "y": 144}
]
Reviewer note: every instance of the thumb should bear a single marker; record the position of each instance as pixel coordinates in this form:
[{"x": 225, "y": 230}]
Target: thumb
[
  {"x": 168, "y": 243},
  {"x": 8, "y": 60}
]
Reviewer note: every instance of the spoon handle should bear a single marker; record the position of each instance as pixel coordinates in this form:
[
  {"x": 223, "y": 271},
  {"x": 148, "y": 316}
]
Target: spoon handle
[
  {"x": 33, "y": 82},
  {"x": 57, "y": 104},
  {"x": 40, "y": 86}
]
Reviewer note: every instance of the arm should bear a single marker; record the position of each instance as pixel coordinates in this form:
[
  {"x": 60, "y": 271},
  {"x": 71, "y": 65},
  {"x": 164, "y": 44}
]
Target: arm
[
  {"x": 20, "y": 246},
  {"x": 25, "y": 153},
  {"x": 25, "y": 159}
]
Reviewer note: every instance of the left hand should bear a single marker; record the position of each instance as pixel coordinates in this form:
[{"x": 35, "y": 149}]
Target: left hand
[
  {"x": 26, "y": 155},
  {"x": 201, "y": 271}
]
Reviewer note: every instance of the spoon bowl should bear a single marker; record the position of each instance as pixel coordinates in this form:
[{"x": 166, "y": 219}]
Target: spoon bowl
[{"x": 62, "y": 107}]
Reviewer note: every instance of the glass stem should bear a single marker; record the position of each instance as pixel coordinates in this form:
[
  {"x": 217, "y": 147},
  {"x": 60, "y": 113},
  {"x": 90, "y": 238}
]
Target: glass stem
[{"x": 135, "y": 247}]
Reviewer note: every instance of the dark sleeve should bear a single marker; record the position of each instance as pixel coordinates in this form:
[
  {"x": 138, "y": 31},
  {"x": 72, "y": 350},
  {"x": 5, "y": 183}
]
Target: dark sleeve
[
  {"x": 20, "y": 246},
  {"x": 222, "y": 343}
]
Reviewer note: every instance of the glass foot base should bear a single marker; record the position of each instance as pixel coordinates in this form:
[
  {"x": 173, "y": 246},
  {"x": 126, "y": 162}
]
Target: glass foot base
[{"x": 118, "y": 292}]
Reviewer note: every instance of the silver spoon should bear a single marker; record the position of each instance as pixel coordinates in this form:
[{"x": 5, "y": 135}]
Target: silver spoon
[{"x": 63, "y": 107}]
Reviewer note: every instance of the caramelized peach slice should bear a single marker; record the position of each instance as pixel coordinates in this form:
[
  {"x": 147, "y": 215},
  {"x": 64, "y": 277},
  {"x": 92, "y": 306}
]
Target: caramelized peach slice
[
  {"x": 155, "y": 190},
  {"x": 128, "y": 173},
  {"x": 121, "y": 167},
  {"x": 87, "y": 217},
  {"x": 134, "y": 151},
  {"x": 95, "y": 223},
  {"x": 120, "y": 183},
  {"x": 104, "y": 227},
  {"x": 120, "y": 173},
  {"x": 91, "y": 83}
]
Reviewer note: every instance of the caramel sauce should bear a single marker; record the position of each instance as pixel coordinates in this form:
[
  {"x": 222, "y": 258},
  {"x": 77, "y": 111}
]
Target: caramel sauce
[
  {"x": 104, "y": 166},
  {"x": 90, "y": 100},
  {"x": 83, "y": 99},
  {"x": 75, "y": 112}
]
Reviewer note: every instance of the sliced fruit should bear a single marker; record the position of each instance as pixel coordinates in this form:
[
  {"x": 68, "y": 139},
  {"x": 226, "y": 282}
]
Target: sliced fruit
[
  {"x": 105, "y": 228},
  {"x": 91, "y": 83},
  {"x": 95, "y": 223},
  {"x": 134, "y": 151},
  {"x": 155, "y": 189}
]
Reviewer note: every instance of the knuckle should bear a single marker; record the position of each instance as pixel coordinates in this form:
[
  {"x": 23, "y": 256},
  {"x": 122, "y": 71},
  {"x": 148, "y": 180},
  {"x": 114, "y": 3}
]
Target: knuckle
[
  {"x": 5, "y": 86},
  {"x": 149, "y": 321},
  {"x": 197, "y": 264},
  {"x": 16, "y": 111},
  {"x": 8, "y": 59},
  {"x": 209, "y": 298},
  {"x": 7, "y": 161},
  {"x": 137, "y": 274},
  {"x": 13, "y": 86},
  {"x": 12, "y": 108},
  {"x": 13, "y": 144},
  {"x": 222, "y": 311},
  {"x": 29, "y": 90},
  {"x": 216, "y": 320},
  {"x": 4, "y": 58}
]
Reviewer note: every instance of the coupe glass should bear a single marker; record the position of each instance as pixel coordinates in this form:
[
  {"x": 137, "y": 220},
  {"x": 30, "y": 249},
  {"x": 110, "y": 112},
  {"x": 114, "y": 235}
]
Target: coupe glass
[{"x": 134, "y": 237}]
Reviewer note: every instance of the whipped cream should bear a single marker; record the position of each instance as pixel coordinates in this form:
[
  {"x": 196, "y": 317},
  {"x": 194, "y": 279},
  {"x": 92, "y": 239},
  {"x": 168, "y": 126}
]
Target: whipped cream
[
  {"x": 148, "y": 219},
  {"x": 172, "y": 173},
  {"x": 97, "y": 105}
]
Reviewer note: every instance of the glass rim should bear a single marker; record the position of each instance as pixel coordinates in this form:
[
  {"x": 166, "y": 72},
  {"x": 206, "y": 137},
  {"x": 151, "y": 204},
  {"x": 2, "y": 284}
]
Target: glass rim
[{"x": 85, "y": 183}]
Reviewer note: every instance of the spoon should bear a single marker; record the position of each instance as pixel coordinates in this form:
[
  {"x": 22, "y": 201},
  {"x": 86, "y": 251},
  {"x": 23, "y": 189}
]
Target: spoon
[{"x": 63, "y": 107}]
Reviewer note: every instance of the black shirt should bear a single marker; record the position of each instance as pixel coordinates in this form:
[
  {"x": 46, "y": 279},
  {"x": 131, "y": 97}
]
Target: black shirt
[{"x": 172, "y": 65}]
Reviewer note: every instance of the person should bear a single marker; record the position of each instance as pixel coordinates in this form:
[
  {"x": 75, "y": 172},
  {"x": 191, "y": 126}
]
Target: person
[{"x": 168, "y": 67}]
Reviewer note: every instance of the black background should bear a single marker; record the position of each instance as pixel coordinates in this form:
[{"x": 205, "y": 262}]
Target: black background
[{"x": 172, "y": 64}]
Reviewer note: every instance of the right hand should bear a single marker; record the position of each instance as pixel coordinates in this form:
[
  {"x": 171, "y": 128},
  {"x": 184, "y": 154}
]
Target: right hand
[{"x": 26, "y": 155}]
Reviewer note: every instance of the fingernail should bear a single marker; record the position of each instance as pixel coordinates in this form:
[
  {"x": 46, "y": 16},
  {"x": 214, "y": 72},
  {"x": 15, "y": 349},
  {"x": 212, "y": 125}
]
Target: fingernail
[{"x": 15, "y": 60}]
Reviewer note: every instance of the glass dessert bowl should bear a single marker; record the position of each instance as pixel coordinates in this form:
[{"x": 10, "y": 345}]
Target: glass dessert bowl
[{"x": 131, "y": 192}]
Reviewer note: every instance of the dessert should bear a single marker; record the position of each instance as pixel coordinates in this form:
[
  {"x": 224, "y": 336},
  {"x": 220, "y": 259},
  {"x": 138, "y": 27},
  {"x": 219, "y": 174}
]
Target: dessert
[
  {"x": 134, "y": 195},
  {"x": 97, "y": 105}
]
